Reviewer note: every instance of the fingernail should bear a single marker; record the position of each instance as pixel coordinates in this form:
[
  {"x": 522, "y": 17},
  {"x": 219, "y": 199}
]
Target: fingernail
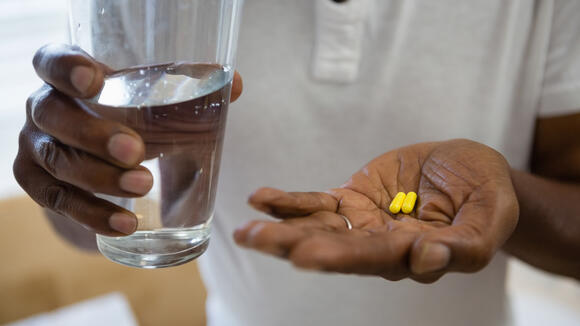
[
  {"x": 123, "y": 223},
  {"x": 137, "y": 182},
  {"x": 433, "y": 257},
  {"x": 82, "y": 78},
  {"x": 125, "y": 148}
]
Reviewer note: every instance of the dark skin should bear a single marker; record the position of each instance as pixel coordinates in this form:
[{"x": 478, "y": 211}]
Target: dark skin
[
  {"x": 66, "y": 153},
  {"x": 468, "y": 209},
  {"x": 471, "y": 203}
]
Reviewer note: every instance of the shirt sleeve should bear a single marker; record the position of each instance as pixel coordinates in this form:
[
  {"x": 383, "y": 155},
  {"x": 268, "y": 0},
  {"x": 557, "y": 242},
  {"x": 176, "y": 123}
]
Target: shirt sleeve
[{"x": 561, "y": 86}]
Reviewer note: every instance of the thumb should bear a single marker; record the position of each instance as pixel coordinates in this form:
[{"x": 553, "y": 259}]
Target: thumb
[
  {"x": 463, "y": 248},
  {"x": 70, "y": 70},
  {"x": 469, "y": 244}
]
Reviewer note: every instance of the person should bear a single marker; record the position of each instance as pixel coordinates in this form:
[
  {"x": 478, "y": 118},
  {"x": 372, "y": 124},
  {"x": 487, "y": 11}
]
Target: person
[{"x": 329, "y": 86}]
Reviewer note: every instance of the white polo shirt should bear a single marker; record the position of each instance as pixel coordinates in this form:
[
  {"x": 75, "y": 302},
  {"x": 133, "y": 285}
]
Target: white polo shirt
[{"x": 330, "y": 86}]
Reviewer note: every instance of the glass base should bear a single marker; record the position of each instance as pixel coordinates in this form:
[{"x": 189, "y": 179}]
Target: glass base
[{"x": 155, "y": 249}]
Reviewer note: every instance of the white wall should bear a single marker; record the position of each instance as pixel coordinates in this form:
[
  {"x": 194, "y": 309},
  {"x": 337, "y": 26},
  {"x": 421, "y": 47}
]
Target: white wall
[{"x": 25, "y": 25}]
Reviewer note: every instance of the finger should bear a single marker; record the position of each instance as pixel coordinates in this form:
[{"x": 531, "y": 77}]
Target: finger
[
  {"x": 88, "y": 172},
  {"x": 237, "y": 87},
  {"x": 97, "y": 214},
  {"x": 278, "y": 238},
  {"x": 269, "y": 237},
  {"x": 470, "y": 242},
  {"x": 60, "y": 116},
  {"x": 375, "y": 254},
  {"x": 319, "y": 221},
  {"x": 69, "y": 69},
  {"x": 283, "y": 204}
]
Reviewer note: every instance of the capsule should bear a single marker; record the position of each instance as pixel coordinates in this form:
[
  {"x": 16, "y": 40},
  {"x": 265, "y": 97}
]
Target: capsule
[
  {"x": 409, "y": 203},
  {"x": 397, "y": 202}
]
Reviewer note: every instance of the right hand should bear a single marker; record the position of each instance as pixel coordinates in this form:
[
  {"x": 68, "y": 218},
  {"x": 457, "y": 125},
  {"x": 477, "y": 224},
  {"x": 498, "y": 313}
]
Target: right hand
[
  {"x": 66, "y": 154},
  {"x": 467, "y": 209}
]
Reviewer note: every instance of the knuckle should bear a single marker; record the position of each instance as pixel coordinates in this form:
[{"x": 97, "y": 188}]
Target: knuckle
[
  {"x": 20, "y": 173},
  {"x": 55, "y": 197},
  {"x": 33, "y": 99},
  {"x": 40, "y": 104},
  {"x": 49, "y": 155},
  {"x": 24, "y": 138}
]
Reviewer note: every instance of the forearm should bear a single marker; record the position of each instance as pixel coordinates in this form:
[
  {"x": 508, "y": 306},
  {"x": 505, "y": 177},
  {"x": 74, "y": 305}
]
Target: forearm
[
  {"x": 548, "y": 231},
  {"x": 72, "y": 231}
]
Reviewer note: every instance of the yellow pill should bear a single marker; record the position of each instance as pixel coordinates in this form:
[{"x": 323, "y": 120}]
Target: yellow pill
[
  {"x": 397, "y": 202},
  {"x": 409, "y": 203}
]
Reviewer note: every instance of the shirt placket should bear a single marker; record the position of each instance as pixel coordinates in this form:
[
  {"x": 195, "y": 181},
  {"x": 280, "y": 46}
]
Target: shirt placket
[{"x": 338, "y": 45}]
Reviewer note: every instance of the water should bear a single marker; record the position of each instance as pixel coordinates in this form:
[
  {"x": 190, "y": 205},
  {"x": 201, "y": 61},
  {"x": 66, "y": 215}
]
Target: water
[
  {"x": 179, "y": 109},
  {"x": 156, "y": 249}
]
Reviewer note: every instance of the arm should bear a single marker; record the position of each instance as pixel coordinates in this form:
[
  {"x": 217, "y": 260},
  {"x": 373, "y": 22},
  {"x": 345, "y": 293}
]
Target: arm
[{"x": 548, "y": 232}]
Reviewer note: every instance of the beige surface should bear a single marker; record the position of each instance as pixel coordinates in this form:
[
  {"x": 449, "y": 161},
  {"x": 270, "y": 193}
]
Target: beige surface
[{"x": 40, "y": 272}]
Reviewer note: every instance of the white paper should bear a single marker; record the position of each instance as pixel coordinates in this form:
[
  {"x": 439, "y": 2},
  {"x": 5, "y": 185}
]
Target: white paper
[{"x": 110, "y": 309}]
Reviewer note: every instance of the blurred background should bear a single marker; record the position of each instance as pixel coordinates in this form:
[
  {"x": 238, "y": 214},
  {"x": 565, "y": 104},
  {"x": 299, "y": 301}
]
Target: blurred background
[{"x": 45, "y": 281}]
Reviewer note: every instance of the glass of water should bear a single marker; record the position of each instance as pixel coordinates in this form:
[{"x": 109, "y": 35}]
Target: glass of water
[{"x": 171, "y": 65}]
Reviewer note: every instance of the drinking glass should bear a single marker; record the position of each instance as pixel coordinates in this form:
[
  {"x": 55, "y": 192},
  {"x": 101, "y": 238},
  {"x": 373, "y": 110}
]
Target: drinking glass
[{"x": 170, "y": 65}]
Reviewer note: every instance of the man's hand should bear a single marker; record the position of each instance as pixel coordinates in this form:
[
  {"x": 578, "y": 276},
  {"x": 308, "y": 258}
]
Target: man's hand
[
  {"x": 66, "y": 153},
  {"x": 467, "y": 209}
]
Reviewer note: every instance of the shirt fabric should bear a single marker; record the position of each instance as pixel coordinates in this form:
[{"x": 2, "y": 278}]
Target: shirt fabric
[{"x": 328, "y": 87}]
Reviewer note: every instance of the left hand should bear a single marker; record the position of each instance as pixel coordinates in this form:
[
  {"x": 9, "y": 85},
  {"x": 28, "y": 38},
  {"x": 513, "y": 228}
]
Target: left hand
[{"x": 467, "y": 209}]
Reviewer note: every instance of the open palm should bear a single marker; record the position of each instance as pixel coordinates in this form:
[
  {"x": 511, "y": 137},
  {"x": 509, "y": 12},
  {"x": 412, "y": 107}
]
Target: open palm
[{"x": 466, "y": 210}]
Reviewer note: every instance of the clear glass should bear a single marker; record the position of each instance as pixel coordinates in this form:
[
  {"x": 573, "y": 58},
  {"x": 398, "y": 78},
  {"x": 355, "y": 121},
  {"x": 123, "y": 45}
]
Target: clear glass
[{"x": 170, "y": 68}]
